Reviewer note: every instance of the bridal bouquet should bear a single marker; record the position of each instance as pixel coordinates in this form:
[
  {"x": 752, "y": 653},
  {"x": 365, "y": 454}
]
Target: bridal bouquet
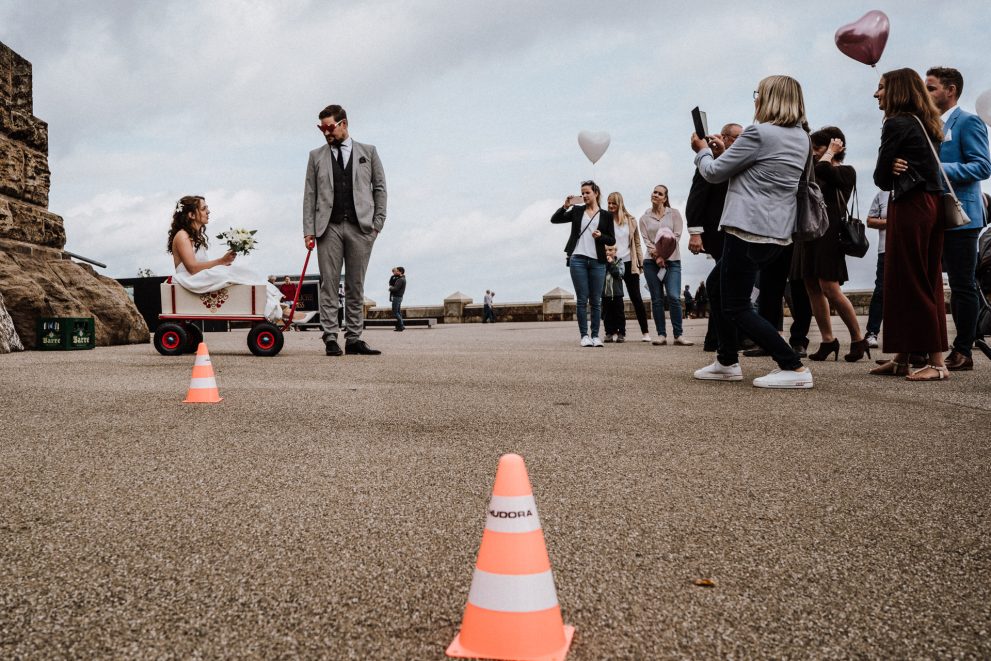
[{"x": 240, "y": 241}]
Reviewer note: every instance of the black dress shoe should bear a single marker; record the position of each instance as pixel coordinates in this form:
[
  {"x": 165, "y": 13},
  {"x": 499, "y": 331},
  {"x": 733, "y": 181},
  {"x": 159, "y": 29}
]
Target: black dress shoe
[
  {"x": 333, "y": 348},
  {"x": 361, "y": 348}
]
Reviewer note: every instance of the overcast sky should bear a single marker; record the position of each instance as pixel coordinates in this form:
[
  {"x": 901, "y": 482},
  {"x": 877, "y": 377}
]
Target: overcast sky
[{"x": 474, "y": 106}]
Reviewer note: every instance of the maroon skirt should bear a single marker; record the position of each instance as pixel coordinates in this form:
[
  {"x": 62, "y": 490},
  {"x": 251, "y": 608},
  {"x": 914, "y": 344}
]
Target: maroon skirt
[{"x": 914, "y": 311}]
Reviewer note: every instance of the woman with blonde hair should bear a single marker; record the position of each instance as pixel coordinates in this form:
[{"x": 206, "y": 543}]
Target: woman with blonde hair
[
  {"x": 763, "y": 167},
  {"x": 914, "y": 312},
  {"x": 629, "y": 248},
  {"x": 661, "y": 215}
]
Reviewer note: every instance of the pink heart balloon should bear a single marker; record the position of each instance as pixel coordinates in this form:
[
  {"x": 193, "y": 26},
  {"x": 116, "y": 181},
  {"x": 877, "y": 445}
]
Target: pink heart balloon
[{"x": 865, "y": 38}]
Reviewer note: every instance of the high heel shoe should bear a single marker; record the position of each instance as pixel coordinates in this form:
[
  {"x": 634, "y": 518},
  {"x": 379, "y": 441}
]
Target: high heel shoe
[
  {"x": 857, "y": 351},
  {"x": 826, "y": 348}
]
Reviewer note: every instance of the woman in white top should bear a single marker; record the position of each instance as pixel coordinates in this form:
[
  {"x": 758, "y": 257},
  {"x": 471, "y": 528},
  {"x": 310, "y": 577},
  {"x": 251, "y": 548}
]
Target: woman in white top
[
  {"x": 661, "y": 215},
  {"x": 591, "y": 232},
  {"x": 194, "y": 272},
  {"x": 629, "y": 248}
]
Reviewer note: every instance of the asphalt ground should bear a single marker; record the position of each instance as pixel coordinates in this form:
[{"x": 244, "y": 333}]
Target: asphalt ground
[{"x": 333, "y": 507}]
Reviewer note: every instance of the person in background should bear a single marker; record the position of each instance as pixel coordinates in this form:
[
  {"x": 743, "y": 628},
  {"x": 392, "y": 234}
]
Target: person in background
[
  {"x": 822, "y": 262},
  {"x": 763, "y": 168},
  {"x": 629, "y": 248},
  {"x": 966, "y": 162},
  {"x": 701, "y": 301},
  {"x": 488, "y": 314},
  {"x": 613, "y": 304},
  {"x": 591, "y": 231},
  {"x": 288, "y": 290},
  {"x": 877, "y": 219},
  {"x": 689, "y": 303},
  {"x": 914, "y": 310},
  {"x": 661, "y": 214},
  {"x": 397, "y": 289}
]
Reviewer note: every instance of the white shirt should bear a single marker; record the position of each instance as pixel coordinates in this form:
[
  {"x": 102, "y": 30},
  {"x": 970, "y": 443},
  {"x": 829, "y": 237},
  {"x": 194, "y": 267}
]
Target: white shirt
[
  {"x": 945, "y": 116},
  {"x": 345, "y": 150},
  {"x": 586, "y": 242},
  {"x": 622, "y": 233},
  {"x": 879, "y": 209}
]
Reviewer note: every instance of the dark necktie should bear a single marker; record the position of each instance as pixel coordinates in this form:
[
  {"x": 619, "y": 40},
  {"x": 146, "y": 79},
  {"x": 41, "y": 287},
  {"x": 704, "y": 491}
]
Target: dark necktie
[{"x": 340, "y": 156}]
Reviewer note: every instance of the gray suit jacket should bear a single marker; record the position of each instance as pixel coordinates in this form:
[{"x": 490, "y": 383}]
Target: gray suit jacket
[
  {"x": 763, "y": 167},
  {"x": 368, "y": 179}
]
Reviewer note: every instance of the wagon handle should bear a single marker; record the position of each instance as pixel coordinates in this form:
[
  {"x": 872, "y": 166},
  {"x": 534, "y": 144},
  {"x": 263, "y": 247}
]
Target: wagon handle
[{"x": 299, "y": 287}]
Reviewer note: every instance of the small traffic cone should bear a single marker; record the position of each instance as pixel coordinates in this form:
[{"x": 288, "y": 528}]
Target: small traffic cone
[
  {"x": 202, "y": 386},
  {"x": 512, "y": 610}
]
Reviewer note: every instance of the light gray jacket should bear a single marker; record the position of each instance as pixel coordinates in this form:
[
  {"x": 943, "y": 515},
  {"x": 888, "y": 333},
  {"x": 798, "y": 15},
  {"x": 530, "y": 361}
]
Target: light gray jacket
[
  {"x": 368, "y": 180},
  {"x": 763, "y": 167}
]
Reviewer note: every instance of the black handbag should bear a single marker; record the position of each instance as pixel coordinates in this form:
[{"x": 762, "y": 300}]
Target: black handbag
[{"x": 852, "y": 231}]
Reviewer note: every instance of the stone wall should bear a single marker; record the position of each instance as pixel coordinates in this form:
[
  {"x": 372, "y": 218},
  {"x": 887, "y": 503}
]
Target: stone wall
[{"x": 36, "y": 278}]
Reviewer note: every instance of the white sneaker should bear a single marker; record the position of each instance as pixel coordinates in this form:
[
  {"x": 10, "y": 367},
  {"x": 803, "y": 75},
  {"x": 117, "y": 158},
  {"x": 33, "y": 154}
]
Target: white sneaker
[
  {"x": 597, "y": 342},
  {"x": 586, "y": 341},
  {"x": 719, "y": 372},
  {"x": 645, "y": 338},
  {"x": 785, "y": 379},
  {"x": 871, "y": 340}
]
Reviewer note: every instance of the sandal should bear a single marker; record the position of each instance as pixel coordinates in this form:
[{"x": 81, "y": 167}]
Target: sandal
[
  {"x": 942, "y": 374},
  {"x": 890, "y": 368}
]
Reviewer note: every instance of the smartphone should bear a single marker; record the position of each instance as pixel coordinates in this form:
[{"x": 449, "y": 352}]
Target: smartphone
[
  {"x": 575, "y": 199},
  {"x": 699, "y": 120}
]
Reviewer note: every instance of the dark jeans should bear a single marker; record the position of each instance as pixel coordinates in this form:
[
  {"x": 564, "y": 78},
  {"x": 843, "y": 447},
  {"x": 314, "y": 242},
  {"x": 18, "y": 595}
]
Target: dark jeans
[
  {"x": 729, "y": 294},
  {"x": 488, "y": 316},
  {"x": 632, "y": 281},
  {"x": 396, "y": 312},
  {"x": 614, "y": 315},
  {"x": 875, "y": 315},
  {"x": 588, "y": 276},
  {"x": 775, "y": 286},
  {"x": 960, "y": 263}
]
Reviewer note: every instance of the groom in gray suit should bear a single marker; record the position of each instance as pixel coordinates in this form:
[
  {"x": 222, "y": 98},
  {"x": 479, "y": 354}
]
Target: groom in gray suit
[{"x": 343, "y": 211}]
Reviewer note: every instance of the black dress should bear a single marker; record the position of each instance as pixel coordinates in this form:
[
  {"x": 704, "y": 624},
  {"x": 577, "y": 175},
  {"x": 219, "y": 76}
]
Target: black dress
[{"x": 824, "y": 258}]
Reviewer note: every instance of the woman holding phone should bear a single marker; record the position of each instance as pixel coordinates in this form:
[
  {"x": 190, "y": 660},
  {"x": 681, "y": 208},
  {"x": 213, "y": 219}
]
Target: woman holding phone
[{"x": 591, "y": 231}]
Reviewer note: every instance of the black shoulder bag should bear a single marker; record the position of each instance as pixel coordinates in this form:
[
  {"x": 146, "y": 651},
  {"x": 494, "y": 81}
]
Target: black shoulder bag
[{"x": 853, "y": 232}]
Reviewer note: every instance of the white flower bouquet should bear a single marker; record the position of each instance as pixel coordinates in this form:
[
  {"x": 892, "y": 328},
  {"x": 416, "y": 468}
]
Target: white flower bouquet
[{"x": 240, "y": 241}]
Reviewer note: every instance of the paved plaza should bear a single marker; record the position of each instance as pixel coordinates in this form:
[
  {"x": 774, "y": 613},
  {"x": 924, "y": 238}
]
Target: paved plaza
[{"x": 333, "y": 507}]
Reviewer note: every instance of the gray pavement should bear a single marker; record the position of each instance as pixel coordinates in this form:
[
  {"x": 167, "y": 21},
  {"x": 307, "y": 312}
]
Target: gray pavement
[{"x": 333, "y": 507}]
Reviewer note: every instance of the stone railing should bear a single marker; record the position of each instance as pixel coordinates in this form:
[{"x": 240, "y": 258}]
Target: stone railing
[{"x": 557, "y": 305}]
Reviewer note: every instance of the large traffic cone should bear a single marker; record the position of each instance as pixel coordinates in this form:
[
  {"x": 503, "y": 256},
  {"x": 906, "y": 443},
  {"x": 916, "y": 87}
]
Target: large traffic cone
[
  {"x": 512, "y": 610},
  {"x": 202, "y": 386}
]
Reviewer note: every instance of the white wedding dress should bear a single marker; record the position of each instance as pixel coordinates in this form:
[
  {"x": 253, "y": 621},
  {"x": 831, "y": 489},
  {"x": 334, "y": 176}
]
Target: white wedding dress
[{"x": 220, "y": 276}]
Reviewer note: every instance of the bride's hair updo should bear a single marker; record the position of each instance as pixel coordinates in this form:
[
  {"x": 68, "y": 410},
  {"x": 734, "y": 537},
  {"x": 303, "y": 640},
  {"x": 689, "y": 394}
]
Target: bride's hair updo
[{"x": 182, "y": 221}]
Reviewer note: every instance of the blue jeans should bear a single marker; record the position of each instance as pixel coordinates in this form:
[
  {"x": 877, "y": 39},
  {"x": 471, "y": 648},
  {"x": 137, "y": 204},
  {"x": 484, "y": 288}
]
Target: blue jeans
[
  {"x": 960, "y": 264},
  {"x": 589, "y": 277},
  {"x": 671, "y": 285},
  {"x": 875, "y": 315},
  {"x": 729, "y": 293},
  {"x": 396, "y": 312}
]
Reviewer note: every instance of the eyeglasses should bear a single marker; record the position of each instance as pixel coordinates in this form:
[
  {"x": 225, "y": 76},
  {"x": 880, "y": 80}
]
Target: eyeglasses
[
  {"x": 756, "y": 95},
  {"x": 327, "y": 129}
]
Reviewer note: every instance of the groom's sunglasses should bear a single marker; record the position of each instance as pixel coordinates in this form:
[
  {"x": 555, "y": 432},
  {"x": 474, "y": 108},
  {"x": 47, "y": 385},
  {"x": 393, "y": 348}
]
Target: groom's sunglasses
[{"x": 326, "y": 129}]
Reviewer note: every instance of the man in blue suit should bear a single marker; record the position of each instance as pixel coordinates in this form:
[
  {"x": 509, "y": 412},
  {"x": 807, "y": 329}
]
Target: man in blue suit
[{"x": 967, "y": 163}]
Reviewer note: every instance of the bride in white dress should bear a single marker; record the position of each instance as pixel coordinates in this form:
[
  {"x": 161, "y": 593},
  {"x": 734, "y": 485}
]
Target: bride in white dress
[{"x": 198, "y": 274}]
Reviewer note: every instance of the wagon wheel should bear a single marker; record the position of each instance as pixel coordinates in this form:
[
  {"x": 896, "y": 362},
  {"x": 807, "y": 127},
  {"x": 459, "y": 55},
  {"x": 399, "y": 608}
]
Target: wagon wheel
[
  {"x": 195, "y": 336},
  {"x": 171, "y": 339},
  {"x": 265, "y": 339}
]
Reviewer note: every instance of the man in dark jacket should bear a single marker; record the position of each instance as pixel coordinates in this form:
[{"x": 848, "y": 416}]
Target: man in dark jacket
[
  {"x": 397, "y": 289},
  {"x": 702, "y": 214}
]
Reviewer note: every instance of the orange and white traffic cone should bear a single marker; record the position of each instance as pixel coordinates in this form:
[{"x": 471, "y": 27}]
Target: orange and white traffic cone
[
  {"x": 512, "y": 610},
  {"x": 202, "y": 386}
]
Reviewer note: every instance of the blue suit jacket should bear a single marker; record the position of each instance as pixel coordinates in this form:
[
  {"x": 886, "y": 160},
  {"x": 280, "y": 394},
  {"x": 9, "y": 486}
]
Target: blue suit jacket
[{"x": 967, "y": 162}]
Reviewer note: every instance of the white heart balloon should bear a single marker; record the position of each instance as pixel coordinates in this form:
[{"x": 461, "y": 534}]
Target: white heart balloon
[
  {"x": 984, "y": 106},
  {"x": 594, "y": 144}
]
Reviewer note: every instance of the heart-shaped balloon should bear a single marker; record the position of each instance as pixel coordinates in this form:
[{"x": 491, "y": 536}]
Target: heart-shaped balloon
[
  {"x": 865, "y": 38},
  {"x": 594, "y": 144},
  {"x": 984, "y": 106}
]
